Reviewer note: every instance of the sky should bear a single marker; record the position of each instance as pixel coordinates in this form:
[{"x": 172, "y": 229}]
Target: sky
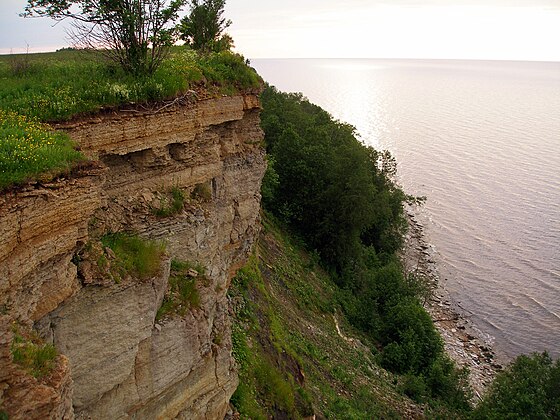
[{"x": 447, "y": 29}]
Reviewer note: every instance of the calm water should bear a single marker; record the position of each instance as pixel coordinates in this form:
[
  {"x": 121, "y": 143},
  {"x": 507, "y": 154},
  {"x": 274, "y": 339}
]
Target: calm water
[{"x": 482, "y": 141}]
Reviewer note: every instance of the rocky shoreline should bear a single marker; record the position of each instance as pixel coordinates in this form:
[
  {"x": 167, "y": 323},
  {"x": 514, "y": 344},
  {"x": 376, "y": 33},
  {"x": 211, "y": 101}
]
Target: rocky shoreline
[{"x": 464, "y": 343}]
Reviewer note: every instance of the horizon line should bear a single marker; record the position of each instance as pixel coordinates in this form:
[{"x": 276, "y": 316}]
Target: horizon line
[{"x": 555, "y": 61}]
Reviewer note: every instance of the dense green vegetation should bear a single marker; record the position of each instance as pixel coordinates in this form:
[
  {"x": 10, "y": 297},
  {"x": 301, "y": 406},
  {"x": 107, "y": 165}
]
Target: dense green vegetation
[
  {"x": 31, "y": 150},
  {"x": 528, "y": 389},
  {"x": 57, "y": 86},
  {"x": 340, "y": 197},
  {"x": 327, "y": 184},
  {"x": 61, "y": 85}
]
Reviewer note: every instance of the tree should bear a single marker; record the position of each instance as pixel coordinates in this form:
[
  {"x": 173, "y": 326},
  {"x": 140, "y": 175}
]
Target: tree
[
  {"x": 134, "y": 33},
  {"x": 203, "y": 28},
  {"x": 528, "y": 389}
]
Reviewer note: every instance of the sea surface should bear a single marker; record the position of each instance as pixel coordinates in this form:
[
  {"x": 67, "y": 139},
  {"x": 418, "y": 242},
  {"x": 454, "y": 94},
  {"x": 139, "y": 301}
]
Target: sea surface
[{"x": 481, "y": 140}]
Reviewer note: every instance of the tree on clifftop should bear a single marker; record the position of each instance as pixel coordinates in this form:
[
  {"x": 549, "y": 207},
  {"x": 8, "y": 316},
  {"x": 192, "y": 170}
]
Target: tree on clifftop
[
  {"x": 203, "y": 28},
  {"x": 134, "y": 33}
]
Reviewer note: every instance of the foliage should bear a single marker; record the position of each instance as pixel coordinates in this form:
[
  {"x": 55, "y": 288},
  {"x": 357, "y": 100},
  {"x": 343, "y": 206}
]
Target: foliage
[
  {"x": 283, "y": 321},
  {"x": 229, "y": 70},
  {"x": 270, "y": 183},
  {"x": 182, "y": 293},
  {"x": 169, "y": 206},
  {"x": 135, "y": 256},
  {"x": 340, "y": 196},
  {"x": 411, "y": 341},
  {"x": 203, "y": 28},
  {"x": 136, "y": 34},
  {"x": 34, "y": 356},
  {"x": 31, "y": 150},
  {"x": 527, "y": 389},
  {"x": 57, "y": 86},
  {"x": 330, "y": 187}
]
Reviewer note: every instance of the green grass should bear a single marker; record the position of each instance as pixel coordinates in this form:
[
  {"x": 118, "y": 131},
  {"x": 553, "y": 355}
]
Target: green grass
[
  {"x": 182, "y": 293},
  {"x": 57, "y": 86},
  {"x": 171, "y": 204},
  {"x": 292, "y": 363},
  {"x": 135, "y": 256},
  {"x": 30, "y": 150},
  {"x": 34, "y": 356}
]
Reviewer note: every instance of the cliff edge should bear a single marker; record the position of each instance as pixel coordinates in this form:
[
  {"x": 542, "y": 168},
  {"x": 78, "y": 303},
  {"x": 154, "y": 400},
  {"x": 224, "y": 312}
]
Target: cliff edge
[{"x": 118, "y": 356}]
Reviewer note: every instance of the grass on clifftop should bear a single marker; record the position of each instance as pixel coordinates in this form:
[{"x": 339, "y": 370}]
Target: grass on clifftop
[
  {"x": 31, "y": 150},
  {"x": 56, "y": 86}
]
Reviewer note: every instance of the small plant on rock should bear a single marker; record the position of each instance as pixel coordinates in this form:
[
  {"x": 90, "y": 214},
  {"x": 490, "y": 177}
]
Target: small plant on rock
[
  {"x": 32, "y": 354},
  {"x": 170, "y": 204},
  {"x": 133, "y": 255},
  {"x": 182, "y": 293},
  {"x": 202, "y": 192}
]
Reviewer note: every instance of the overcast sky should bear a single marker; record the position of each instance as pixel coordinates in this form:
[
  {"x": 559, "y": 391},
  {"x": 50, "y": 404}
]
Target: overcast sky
[{"x": 468, "y": 29}]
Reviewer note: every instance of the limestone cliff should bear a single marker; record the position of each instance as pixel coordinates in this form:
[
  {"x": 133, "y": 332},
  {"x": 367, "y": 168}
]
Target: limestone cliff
[{"x": 120, "y": 362}]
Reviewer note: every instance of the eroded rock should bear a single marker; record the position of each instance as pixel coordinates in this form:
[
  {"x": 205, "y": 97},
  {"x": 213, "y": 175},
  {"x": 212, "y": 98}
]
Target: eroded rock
[{"x": 123, "y": 363}]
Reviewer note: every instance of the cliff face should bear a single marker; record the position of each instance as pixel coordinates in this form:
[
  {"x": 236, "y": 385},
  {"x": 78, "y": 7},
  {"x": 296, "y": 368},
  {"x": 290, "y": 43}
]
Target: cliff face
[{"x": 122, "y": 362}]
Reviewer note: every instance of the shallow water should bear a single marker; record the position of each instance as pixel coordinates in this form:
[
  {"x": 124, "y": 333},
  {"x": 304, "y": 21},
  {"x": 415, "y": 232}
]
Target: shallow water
[{"x": 482, "y": 141}]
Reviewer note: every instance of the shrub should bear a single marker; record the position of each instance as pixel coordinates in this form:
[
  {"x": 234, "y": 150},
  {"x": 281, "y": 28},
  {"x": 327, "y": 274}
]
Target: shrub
[
  {"x": 413, "y": 342},
  {"x": 448, "y": 383},
  {"x": 20, "y": 65},
  {"x": 414, "y": 387},
  {"x": 528, "y": 389},
  {"x": 229, "y": 69},
  {"x": 202, "y": 191}
]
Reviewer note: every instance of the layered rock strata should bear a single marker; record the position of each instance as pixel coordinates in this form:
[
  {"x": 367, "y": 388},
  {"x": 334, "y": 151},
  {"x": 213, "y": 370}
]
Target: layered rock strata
[{"x": 123, "y": 363}]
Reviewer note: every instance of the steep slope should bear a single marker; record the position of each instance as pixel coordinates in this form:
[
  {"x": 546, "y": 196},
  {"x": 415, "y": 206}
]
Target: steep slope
[
  {"x": 298, "y": 355},
  {"x": 122, "y": 362}
]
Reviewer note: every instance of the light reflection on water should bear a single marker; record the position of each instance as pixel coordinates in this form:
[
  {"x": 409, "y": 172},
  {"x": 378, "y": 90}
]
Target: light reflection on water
[{"x": 482, "y": 141}]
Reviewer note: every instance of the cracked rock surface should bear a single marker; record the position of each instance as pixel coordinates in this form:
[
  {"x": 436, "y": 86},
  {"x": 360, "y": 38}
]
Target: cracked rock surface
[{"x": 120, "y": 362}]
